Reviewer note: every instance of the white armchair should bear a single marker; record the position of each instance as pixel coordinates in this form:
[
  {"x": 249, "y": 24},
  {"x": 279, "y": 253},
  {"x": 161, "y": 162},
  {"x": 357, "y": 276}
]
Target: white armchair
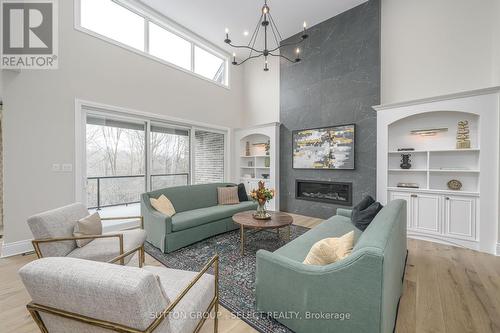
[
  {"x": 53, "y": 237},
  {"x": 75, "y": 295}
]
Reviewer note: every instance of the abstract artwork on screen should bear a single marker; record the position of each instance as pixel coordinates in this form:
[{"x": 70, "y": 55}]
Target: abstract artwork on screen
[{"x": 324, "y": 148}]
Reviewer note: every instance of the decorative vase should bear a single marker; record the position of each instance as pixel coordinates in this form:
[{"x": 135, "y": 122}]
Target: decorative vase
[
  {"x": 261, "y": 212},
  {"x": 405, "y": 161}
]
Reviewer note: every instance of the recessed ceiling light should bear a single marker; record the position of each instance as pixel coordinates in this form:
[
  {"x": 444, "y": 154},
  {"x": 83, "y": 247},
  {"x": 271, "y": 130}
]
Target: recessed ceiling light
[{"x": 245, "y": 33}]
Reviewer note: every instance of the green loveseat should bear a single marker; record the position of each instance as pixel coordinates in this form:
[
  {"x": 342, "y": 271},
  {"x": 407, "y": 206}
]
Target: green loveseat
[
  {"x": 358, "y": 294},
  {"x": 198, "y": 216}
]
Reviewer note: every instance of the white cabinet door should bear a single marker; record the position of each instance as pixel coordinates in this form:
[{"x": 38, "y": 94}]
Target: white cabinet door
[
  {"x": 404, "y": 196},
  {"x": 460, "y": 217},
  {"x": 427, "y": 213}
]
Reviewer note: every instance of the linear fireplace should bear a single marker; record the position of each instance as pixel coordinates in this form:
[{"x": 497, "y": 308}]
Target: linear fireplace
[{"x": 323, "y": 191}]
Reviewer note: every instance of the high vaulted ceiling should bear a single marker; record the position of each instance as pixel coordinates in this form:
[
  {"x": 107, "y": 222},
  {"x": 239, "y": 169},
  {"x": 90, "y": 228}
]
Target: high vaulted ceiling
[{"x": 209, "y": 18}]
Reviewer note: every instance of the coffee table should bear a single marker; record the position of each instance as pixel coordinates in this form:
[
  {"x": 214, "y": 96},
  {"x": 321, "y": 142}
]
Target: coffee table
[{"x": 246, "y": 220}]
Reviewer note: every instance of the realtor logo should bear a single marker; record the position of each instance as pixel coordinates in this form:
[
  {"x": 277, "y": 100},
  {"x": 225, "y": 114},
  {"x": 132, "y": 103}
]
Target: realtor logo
[{"x": 29, "y": 34}]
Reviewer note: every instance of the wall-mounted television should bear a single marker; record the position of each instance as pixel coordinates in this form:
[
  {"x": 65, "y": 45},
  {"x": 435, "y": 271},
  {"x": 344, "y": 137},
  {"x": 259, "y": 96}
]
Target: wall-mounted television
[{"x": 325, "y": 148}]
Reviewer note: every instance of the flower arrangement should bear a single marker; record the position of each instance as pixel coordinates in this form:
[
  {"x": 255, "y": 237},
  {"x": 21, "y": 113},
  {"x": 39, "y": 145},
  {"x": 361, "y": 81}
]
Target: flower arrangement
[{"x": 262, "y": 195}]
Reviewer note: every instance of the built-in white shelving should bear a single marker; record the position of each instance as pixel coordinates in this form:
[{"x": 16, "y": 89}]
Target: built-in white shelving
[
  {"x": 467, "y": 217},
  {"x": 254, "y": 162}
]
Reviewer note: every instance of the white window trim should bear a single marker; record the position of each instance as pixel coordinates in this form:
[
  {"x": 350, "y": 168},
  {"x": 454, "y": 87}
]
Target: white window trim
[
  {"x": 152, "y": 16},
  {"x": 80, "y": 161}
]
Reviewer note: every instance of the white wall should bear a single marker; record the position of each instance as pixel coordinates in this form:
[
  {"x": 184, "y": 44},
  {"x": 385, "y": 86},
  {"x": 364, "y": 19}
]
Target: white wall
[
  {"x": 496, "y": 45},
  {"x": 261, "y": 99},
  {"x": 431, "y": 48},
  {"x": 39, "y": 116}
]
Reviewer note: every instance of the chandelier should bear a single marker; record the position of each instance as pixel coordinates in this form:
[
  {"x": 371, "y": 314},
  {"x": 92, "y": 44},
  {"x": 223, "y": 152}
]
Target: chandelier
[{"x": 270, "y": 31}]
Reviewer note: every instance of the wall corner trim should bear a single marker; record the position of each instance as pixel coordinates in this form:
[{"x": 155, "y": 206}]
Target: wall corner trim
[
  {"x": 462, "y": 94},
  {"x": 15, "y": 248}
]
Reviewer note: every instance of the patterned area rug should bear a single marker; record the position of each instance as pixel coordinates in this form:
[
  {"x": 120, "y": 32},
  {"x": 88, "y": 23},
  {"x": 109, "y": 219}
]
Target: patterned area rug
[{"x": 236, "y": 273}]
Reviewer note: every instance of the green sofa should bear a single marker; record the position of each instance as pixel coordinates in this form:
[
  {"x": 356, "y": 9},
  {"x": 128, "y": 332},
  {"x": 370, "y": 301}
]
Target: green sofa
[
  {"x": 358, "y": 294},
  {"x": 198, "y": 216}
]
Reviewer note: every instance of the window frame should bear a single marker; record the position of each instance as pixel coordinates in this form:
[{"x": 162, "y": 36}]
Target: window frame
[
  {"x": 83, "y": 108},
  {"x": 163, "y": 22}
]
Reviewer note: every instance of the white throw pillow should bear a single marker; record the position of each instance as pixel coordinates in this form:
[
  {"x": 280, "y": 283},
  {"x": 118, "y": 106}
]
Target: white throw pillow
[
  {"x": 163, "y": 205},
  {"x": 88, "y": 226}
]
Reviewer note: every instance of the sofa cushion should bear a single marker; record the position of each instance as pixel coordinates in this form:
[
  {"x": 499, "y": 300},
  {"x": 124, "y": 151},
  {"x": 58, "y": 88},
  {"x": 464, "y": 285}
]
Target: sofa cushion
[
  {"x": 196, "y": 217},
  {"x": 364, "y": 212},
  {"x": 228, "y": 195},
  {"x": 88, "y": 226},
  {"x": 336, "y": 226},
  {"x": 105, "y": 249},
  {"x": 330, "y": 250},
  {"x": 163, "y": 205}
]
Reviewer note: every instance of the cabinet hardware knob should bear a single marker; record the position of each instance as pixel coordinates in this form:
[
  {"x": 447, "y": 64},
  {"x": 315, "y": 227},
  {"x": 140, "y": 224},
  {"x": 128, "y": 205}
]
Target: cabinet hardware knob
[
  {"x": 414, "y": 196},
  {"x": 447, "y": 198}
]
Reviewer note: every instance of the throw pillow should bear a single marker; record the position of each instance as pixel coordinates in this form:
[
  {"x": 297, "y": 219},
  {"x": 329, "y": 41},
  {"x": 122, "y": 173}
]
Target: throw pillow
[
  {"x": 163, "y": 205},
  {"x": 228, "y": 195},
  {"x": 242, "y": 192},
  {"x": 330, "y": 250},
  {"x": 89, "y": 225},
  {"x": 364, "y": 212}
]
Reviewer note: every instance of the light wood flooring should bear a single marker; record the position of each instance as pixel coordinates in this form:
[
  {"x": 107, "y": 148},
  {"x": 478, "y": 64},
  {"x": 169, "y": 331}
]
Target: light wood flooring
[{"x": 447, "y": 289}]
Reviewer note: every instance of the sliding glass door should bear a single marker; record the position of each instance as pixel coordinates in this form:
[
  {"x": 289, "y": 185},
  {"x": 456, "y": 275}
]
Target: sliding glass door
[
  {"x": 170, "y": 156},
  {"x": 127, "y": 156},
  {"x": 115, "y": 161}
]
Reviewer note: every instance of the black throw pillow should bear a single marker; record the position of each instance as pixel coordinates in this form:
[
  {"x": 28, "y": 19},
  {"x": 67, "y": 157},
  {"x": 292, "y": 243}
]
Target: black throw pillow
[
  {"x": 242, "y": 193},
  {"x": 364, "y": 212}
]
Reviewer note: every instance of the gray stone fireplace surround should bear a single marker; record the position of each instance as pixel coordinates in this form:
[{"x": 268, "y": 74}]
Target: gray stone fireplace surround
[{"x": 336, "y": 83}]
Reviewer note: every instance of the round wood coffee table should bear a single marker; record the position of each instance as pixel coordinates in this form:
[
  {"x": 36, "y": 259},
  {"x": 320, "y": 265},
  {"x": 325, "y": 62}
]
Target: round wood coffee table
[{"x": 246, "y": 220}]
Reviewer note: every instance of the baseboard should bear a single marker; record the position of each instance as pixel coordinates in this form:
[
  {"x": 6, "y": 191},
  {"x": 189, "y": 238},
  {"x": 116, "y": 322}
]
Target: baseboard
[
  {"x": 15, "y": 248},
  {"x": 498, "y": 249}
]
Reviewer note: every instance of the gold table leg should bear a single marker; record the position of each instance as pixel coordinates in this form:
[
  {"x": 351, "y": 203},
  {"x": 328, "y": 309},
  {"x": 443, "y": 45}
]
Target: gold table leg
[{"x": 242, "y": 240}]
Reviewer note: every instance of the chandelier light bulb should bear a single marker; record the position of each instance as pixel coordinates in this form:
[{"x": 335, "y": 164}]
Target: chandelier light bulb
[
  {"x": 245, "y": 33},
  {"x": 305, "y": 25},
  {"x": 234, "y": 54},
  {"x": 226, "y": 30},
  {"x": 297, "y": 51}
]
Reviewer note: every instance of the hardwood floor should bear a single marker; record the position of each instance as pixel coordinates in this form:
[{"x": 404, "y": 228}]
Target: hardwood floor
[{"x": 447, "y": 289}]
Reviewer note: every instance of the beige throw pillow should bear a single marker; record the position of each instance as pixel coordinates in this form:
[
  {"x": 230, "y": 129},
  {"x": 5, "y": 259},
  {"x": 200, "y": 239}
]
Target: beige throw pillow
[
  {"x": 330, "y": 250},
  {"x": 228, "y": 195},
  {"x": 163, "y": 205},
  {"x": 89, "y": 225}
]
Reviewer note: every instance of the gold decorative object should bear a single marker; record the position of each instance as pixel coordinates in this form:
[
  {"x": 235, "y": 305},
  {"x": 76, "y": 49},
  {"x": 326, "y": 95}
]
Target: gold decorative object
[
  {"x": 247, "y": 149},
  {"x": 463, "y": 141},
  {"x": 454, "y": 185}
]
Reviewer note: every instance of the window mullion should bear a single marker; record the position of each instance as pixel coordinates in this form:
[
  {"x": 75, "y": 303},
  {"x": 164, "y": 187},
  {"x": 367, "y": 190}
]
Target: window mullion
[
  {"x": 148, "y": 158},
  {"x": 146, "y": 36},
  {"x": 192, "y": 57}
]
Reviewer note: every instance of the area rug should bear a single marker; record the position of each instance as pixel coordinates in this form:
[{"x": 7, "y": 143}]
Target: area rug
[{"x": 236, "y": 273}]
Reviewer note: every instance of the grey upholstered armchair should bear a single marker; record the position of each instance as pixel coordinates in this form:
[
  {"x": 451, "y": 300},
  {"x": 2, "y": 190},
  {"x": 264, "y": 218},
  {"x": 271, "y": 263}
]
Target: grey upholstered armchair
[
  {"x": 75, "y": 295},
  {"x": 53, "y": 237}
]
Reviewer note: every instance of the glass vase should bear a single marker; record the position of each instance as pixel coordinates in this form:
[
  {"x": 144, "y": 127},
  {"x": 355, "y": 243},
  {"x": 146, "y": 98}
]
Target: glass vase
[{"x": 261, "y": 212}]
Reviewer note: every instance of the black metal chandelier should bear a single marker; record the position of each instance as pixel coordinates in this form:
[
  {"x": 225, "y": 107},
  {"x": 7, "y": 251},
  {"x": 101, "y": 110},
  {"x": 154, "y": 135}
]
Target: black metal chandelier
[{"x": 266, "y": 21}]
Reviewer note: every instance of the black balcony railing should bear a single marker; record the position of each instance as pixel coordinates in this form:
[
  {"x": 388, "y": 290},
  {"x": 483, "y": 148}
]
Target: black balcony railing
[{"x": 110, "y": 191}]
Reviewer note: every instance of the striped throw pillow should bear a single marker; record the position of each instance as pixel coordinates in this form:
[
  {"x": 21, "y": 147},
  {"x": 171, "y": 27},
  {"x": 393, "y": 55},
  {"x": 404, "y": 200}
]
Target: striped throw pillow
[{"x": 228, "y": 195}]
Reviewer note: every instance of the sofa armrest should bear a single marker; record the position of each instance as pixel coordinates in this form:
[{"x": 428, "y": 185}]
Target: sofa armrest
[
  {"x": 156, "y": 225},
  {"x": 351, "y": 287},
  {"x": 344, "y": 212}
]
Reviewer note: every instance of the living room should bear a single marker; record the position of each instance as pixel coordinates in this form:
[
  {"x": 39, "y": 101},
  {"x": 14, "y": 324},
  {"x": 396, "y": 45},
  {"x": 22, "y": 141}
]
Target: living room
[{"x": 257, "y": 166}]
